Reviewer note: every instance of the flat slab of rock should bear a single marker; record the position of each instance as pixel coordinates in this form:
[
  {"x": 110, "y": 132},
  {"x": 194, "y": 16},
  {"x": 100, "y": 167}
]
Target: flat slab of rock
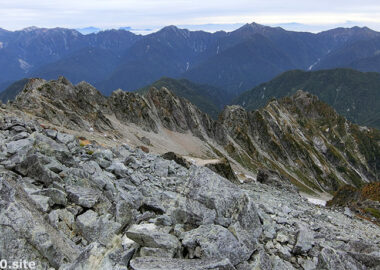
[
  {"x": 16, "y": 146},
  {"x": 85, "y": 197},
  {"x": 153, "y": 263},
  {"x": 56, "y": 195},
  {"x": 148, "y": 235}
]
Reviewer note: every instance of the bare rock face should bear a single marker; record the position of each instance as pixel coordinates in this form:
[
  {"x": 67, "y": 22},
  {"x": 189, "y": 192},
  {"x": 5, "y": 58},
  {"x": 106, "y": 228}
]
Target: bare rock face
[
  {"x": 178, "y": 114},
  {"x": 307, "y": 137},
  {"x": 130, "y": 107},
  {"x": 61, "y": 103}
]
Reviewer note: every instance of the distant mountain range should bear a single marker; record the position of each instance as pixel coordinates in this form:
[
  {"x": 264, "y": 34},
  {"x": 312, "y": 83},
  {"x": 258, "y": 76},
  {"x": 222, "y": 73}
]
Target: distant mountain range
[
  {"x": 230, "y": 61},
  {"x": 47, "y": 52}
]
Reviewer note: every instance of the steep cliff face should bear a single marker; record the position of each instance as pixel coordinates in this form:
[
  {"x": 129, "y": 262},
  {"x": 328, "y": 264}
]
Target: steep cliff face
[
  {"x": 298, "y": 137},
  {"x": 62, "y": 104},
  {"x": 307, "y": 141},
  {"x": 132, "y": 108},
  {"x": 178, "y": 114}
]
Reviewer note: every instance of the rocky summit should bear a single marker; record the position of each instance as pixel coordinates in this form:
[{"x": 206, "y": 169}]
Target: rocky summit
[{"x": 78, "y": 191}]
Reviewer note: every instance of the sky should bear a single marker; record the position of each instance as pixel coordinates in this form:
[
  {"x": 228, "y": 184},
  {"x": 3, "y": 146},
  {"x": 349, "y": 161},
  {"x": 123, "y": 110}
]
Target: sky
[{"x": 210, "y": 15}]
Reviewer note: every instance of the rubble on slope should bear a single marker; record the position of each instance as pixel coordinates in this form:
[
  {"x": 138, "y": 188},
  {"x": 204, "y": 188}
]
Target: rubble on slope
[{"x": 68, "y": 205}]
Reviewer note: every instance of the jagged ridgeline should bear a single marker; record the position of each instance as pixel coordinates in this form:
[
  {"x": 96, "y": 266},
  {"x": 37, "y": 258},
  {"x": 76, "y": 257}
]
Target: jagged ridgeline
[
  {"x": 353, "y": 94},
  {"x": 207, "y": 98},
  {"x": 300, "y": 138}
]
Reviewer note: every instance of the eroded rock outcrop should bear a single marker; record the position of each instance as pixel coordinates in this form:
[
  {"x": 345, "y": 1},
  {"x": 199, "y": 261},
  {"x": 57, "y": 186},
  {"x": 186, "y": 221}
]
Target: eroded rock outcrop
[{"x": 300, "y": 138}]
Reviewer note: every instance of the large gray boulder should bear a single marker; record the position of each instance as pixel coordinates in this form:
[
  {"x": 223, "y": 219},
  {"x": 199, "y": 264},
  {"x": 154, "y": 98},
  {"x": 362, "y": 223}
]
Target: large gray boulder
[
  {"x": 97, "y": 228},
  {"x": 224, "y": 169},
  {"x": 97, "y": 257},
  {"x": 214, "y": 241},
  {"x": 148, "y": 235},
  {"x": 83, "y": 196},
  {"x": 330, "y": 258},
  {"x": 305, "y": 240},
  {"x": 57, "y": 196},
  {"x": 34, "y": 165},
  {"x": 14, "y": 147},
  {"x": 231, "y": 204}
]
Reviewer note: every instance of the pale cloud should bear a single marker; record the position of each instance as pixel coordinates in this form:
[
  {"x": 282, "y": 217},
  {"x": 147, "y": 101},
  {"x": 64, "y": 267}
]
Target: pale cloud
[{"x": 17, "y": 14}]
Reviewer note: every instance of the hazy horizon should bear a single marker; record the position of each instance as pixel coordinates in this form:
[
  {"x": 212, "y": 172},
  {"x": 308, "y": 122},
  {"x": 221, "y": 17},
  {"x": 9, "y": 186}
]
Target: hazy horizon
[
  {"x": 211, "y": 16},
  {"x": 205, "y": 27}
]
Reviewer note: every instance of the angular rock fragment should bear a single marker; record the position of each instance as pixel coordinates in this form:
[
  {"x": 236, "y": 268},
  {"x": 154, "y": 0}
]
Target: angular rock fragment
[
  {"x": 215, "y": 241},
  {"x": 86, "y": 197},
  {"x": 57, "y": 196},
  {"x": 148, "y": 235},
  {"x": 305, "y": 241},
  {"x": 177, "y": 158},
  {"x": 97, "y": 228}
]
